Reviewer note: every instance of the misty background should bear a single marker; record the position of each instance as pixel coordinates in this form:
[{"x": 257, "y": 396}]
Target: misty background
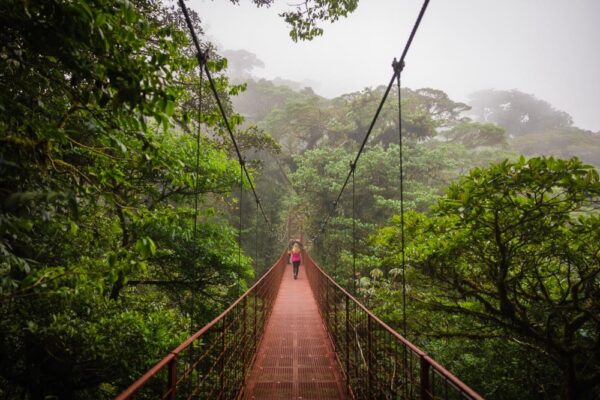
[{"x": 544, "y": 48}]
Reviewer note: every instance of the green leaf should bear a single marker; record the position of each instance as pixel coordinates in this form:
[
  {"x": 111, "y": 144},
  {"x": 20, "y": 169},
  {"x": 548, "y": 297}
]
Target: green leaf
[
  {"x": 73, "y": 228},
  {"x": 145, "y": 247},
  {"x": 170, "y": 107}
]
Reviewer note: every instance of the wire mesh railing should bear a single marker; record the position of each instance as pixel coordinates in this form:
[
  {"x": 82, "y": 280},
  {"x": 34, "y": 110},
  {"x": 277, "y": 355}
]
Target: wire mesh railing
[
  {"x": 377, "y": 362},
  {"x": 213, "y": 362}
]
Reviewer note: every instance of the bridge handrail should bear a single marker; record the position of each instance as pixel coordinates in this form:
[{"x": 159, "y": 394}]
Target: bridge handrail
[
  {"x": 369, "y": 312},
  {"x": 170, "y": 361},
  {"x": 212, "y": 323},
  {"x": 426, "y": 390}
]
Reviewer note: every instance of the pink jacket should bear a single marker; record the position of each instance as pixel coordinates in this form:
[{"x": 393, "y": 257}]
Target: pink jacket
[{"x": 296, "y": 256}]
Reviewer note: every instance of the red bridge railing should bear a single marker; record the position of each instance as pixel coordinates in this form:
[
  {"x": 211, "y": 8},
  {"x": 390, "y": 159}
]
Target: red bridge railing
[
  {"x": 212, "y": 363},
  {"x": 378, "y": 362}
]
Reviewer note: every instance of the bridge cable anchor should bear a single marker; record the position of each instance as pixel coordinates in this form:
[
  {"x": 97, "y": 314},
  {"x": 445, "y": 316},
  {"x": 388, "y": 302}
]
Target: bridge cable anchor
[{"x": 398, "y": 66}]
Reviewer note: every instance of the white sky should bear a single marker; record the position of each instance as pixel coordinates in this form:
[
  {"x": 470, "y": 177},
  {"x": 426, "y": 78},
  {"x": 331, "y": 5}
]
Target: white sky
[{"x": 549, "y": 48}]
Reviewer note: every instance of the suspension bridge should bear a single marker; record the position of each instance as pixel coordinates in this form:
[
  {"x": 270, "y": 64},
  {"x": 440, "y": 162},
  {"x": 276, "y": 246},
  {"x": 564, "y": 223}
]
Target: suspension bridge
[
  {"x": 297, "y": 339},
  {"x": 305, "y": 338}
]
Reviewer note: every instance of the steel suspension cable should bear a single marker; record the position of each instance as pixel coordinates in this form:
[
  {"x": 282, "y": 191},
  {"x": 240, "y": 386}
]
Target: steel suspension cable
[
  {"x": 196, "y": 212},
  {"x": 240, "y": 227},
  {"x": 376, "y": 116},
  {"x": 256, "y": 242},
  {"x": 196, "y": 192},
  {"x": 353, "y": 233},
  {"x": 398, "y": 66},
  {"x": 202, "y": 58}
]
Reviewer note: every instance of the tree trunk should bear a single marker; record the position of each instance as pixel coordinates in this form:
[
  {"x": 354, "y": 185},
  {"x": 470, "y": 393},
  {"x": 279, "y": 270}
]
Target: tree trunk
[
  {"x": 116, "y": 289},
  {"x": 571, "y": 388}
]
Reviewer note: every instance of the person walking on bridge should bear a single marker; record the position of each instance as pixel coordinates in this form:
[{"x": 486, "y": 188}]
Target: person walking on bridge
[
  {"x": 291, "y": 244},
  {"x": 296, "y": 257}
]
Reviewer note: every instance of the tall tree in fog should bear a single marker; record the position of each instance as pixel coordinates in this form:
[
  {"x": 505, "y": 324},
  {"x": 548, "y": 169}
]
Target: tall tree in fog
[
  {"x": 242, "y": 62},
  {"x": 517, "y": 112}
]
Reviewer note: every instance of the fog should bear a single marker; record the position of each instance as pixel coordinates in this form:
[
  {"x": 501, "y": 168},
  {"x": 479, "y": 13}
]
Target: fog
[{"x": 548, "y": 48}]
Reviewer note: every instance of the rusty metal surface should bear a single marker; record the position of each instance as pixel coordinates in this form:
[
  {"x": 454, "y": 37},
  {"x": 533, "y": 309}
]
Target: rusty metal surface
[{"x": 295, "y": 359}]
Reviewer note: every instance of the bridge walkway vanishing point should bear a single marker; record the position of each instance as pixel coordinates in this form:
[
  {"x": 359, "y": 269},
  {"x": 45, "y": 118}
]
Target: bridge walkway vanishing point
[{"x": 295, "y": 359}]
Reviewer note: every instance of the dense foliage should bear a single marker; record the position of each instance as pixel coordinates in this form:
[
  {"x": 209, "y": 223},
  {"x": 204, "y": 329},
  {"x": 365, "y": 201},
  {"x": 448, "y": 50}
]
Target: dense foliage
[
  {"x": 106, "y": 264},
  {"x": 476, "y": 293},
  {"x": 98, "y": 177},
  {"x": 509, "y": 257}
]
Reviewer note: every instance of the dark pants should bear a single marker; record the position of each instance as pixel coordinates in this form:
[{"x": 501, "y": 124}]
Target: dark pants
[{"x": 296, "y": 265}]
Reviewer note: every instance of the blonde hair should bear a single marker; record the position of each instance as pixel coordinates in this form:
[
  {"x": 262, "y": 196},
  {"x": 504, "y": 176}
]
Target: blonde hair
[{"x": 296, "y": 248}]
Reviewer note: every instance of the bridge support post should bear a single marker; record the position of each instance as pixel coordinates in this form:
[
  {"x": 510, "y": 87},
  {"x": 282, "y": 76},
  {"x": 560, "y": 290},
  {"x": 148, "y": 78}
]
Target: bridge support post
[
  {"x": 425, "y": 384},
  {"x": 222, "y": 361},
  {"x": 335, "y": 322},
  {"x": 369, "y": 358},
  {"x": 172, "y": 379},
  {"x": 244, "y": 340},
  {"x": 326, "y": 308},
  {"x": 254, "y": 328},
  {"x": 348, "y": 343}
]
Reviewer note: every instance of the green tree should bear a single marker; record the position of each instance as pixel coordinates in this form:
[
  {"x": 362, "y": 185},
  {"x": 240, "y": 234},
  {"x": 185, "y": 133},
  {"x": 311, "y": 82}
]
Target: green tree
[
  {"x": 304, "y": 20},
  {"x": 353, "y": 113},
  {"x": 299, "y": 125},
  {"x": 513, "y": 250},
  {"x": 97, "y": 189},
  {"x": 429, "y": 168},
  {"x": 473, "y": 134},
  {"x": 444, "y": 111},
  {"x": 261, "y": 97}
]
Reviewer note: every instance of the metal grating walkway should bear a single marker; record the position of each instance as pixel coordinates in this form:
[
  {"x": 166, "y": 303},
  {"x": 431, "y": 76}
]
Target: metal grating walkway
[{"x": 295, "y": 359}]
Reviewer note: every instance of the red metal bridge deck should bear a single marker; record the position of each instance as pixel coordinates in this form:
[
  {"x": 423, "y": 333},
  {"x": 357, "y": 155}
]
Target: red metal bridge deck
[{"x": 295, "y": 359}]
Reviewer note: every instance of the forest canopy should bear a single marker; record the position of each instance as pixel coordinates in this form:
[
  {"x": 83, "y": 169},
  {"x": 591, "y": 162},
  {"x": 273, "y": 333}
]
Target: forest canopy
[
  {"x": 98, "y": 174},
  {"x": 122, "y": 205}
]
